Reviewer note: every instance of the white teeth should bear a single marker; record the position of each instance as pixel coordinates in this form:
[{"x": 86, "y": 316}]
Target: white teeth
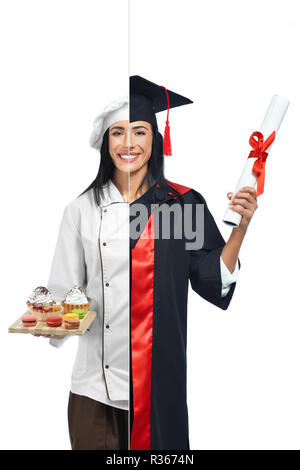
[{"x": 128, "y": 157}]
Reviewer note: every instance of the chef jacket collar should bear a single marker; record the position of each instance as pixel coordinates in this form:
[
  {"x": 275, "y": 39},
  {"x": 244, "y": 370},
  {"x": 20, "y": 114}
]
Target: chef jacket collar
[{"x": 111, "y": 194}]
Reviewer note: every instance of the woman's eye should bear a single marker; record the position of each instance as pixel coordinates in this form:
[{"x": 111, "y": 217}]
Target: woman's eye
[{"x": 117, "y": 133}]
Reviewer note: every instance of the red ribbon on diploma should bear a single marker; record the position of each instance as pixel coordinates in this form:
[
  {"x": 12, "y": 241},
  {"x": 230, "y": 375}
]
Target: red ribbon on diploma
[{"x": 259, "y": 152}]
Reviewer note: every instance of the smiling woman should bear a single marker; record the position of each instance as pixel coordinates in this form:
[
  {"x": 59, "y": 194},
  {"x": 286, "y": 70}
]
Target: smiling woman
[
  {"x": 135, "y": 351},
  {"x": 131, "y": 156},
  {"x": 131, "y": 160}
]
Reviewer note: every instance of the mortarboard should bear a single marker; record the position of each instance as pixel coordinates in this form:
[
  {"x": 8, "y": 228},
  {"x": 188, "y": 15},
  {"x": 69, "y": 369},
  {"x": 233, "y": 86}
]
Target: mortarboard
[{"x": 147, "y": 99}]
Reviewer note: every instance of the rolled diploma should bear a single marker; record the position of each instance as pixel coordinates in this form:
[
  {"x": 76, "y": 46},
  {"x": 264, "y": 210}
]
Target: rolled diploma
[{"x": 271, "y": 122}]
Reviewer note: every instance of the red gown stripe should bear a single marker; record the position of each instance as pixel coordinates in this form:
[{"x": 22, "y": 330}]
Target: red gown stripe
[{"x": 141, "y": 335}]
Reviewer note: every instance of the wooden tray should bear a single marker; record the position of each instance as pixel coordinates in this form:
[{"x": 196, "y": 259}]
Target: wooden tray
[{"x": 41, "y": 327}]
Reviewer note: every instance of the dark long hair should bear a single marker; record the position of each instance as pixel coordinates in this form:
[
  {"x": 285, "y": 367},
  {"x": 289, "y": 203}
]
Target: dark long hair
[{"x": 106, "y": 169}]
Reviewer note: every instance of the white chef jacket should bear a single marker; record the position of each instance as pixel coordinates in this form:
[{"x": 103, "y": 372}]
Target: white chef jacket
[{"x": 92, "y": 251}]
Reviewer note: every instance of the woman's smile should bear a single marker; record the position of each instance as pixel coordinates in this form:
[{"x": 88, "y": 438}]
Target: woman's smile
[{"x": 129, "y": 157}]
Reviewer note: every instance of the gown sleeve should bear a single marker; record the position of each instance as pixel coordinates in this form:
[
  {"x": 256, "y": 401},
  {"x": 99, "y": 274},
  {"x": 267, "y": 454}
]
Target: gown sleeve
[
  {"x": 68, "y": 265},
  {"x": 204, "y": 264}
]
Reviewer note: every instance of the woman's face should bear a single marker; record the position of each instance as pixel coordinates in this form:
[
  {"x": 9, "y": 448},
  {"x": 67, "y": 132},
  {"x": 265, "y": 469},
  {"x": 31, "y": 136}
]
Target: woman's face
[{"x": 130, "y": 144}]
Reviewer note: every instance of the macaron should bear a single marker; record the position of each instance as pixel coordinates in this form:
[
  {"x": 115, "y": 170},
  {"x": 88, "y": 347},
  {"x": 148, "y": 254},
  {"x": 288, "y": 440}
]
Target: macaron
[
  {"x": 71, "y": 315},
  {"x": 72, "y": 323},
  {"x": 29, "y": 320},
  {"x": 80, "y": 313},
  {"x": 54, "y": 321}
]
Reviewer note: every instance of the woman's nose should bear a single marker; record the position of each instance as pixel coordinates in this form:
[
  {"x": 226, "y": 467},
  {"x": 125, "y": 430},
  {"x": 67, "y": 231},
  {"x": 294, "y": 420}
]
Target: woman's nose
[
  {"x": 130, "y": 141},
  {"x": 124, "y": 140}
]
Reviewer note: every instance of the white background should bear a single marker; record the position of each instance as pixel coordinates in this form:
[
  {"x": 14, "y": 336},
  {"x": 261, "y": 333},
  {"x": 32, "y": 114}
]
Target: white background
[{"x": 61, "y": 62}]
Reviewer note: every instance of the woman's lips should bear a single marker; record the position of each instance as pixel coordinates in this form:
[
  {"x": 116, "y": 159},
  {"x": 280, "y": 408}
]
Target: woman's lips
[{"x": 129, "y": 157}]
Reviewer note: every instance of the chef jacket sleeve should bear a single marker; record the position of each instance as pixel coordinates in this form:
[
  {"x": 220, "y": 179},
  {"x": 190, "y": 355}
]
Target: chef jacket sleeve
[
  {"x": 68, "y": 265},
  {"x": 204, "y": 265}
]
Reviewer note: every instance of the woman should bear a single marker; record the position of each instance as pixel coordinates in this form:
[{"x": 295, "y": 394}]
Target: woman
[{"x": 138, "y": 284}]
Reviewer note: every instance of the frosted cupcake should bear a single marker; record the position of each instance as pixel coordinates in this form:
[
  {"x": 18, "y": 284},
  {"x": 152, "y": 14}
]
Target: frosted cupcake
[
  {"x": 76, "y": 298},
  {"x": 42, "y": 304}
]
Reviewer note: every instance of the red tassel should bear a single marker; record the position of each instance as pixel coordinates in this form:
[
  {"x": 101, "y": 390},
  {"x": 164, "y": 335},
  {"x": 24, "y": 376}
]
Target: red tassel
[
  {"x": 167, "y": 141},
  {"x": 167, "y": 150}
]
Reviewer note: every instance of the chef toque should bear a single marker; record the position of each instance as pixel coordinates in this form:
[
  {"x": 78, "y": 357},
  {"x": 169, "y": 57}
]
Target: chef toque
[{"x": 117, "y": 110}]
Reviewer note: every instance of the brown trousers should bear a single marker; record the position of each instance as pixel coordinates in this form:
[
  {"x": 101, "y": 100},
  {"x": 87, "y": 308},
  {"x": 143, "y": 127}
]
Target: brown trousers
[{"x": 96, "y": 426}]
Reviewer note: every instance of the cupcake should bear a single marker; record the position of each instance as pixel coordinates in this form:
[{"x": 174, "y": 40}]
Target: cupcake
[
  {"x": 76, "y": 299},
  {"x": 42, "y": 304}
]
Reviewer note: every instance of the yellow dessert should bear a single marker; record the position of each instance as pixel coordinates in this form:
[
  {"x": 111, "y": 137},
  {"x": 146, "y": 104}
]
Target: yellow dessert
[{"x": 71, "y": 315}]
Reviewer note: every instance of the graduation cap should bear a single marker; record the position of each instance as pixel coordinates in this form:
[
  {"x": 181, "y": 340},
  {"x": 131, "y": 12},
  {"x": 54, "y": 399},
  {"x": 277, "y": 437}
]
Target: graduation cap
[{"x": 147, "y": 99}]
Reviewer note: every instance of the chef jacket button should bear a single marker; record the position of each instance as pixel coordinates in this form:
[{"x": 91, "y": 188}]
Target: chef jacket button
[
  {"x": 107, "y": 326},
  {"x": 105, "y": 210},
  {"x": 107, "y": 366},
  {"x": 104, "y": 243},
  {"x": 107, "y": 284}
]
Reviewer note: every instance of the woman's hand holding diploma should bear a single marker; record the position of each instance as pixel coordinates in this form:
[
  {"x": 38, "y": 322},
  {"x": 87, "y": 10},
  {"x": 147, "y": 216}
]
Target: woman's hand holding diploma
[{"x": 245, "y": 203}]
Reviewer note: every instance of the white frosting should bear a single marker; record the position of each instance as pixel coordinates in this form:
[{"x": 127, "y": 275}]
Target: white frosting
[
  {"x": 76, "y": 296},
  {"x": 40, "y": 295}
]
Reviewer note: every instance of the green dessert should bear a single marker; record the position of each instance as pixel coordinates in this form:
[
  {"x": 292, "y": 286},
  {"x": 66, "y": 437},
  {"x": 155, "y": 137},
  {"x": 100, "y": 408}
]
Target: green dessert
[{"x": 80, "y": 312}]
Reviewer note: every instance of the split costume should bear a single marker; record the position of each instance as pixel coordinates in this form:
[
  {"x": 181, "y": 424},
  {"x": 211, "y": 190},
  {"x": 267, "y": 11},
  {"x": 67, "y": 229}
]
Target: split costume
[{"x": 134, "y": 355}]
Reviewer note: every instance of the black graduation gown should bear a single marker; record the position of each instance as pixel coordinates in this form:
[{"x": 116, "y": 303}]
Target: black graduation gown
[{"x": 160, "y": 272}]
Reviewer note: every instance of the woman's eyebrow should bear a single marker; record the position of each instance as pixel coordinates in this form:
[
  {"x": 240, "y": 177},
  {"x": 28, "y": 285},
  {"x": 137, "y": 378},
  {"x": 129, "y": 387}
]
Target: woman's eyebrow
[
  {"x": 117, "y": 127},
  {"x": 135, "y": 127}
]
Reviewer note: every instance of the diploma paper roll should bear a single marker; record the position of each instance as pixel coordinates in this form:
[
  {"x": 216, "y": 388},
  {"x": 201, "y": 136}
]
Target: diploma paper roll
[{"x": 271, "y": 122}]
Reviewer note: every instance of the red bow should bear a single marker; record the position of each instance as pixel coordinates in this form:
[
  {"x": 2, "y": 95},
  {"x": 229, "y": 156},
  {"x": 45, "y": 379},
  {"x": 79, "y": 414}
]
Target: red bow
[{"x": 259, "y": 152}]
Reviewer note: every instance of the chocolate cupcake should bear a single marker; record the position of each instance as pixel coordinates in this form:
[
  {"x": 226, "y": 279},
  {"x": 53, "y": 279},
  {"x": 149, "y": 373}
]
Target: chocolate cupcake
[{"x": 42, "y": 304}]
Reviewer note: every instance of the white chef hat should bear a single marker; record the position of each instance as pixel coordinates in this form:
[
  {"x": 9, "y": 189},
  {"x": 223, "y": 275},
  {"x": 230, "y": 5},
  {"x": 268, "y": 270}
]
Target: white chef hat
[{"x": 117, "y": 110}]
